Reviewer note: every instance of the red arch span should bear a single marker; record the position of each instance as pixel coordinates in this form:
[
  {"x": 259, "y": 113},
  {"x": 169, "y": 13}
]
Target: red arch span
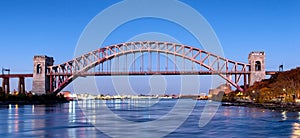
[{"x": 63, "y": 74}]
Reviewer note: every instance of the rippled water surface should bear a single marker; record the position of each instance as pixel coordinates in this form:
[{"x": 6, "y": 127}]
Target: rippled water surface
[{"x": 82, "y": 119}]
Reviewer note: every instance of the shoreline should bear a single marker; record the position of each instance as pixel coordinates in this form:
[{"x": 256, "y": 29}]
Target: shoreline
[
  {"x": 32, "y": 102},
  {"x": 29, "y": 99},
  {"x": 293, "y": 107},
  {"x": 270, "y": 106}
]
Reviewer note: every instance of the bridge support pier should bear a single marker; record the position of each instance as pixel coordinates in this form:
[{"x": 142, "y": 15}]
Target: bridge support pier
[
  {"x": 5, "y": 85},
  {"x": 245, "y": 82},
  {"x": 21, "y": 85}
]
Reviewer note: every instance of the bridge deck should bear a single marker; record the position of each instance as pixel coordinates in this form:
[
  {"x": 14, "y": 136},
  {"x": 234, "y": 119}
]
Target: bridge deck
[
  {"x": 146, "y": 73},
  {"x": 16, "y": 75},
  {"x": 271, "y": 72},
  {"x": 134, "y": 73}
]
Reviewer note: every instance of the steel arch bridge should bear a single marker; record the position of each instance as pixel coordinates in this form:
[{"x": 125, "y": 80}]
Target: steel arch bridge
[{"x": 148, "y": 58}]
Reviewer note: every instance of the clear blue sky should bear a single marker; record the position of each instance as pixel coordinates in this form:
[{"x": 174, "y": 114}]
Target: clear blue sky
[{"x": 53, "y": 27}]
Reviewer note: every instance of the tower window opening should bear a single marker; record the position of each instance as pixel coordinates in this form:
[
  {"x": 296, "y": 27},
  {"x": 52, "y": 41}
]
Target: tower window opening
[
  {"x": 38, "y": 69},
  {"x": 257, "y": 66}
]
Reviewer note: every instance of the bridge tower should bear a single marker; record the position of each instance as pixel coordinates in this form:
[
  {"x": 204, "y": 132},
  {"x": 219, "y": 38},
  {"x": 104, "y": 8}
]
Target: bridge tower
[
  {"x": 257, "y": 66},
  {"x": 41, "y": 82}
]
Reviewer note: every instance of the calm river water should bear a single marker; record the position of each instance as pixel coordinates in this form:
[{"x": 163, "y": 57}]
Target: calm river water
[{"x": 79, "y": 119}]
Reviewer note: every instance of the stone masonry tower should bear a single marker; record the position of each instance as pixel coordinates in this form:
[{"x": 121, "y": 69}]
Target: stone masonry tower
[
  {"x": 41, "y": 83},
  {"x": 258, "y": 69}
]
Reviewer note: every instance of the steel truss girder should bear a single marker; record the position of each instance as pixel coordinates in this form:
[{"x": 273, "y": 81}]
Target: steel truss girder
[{"x": 63, "y": 74}]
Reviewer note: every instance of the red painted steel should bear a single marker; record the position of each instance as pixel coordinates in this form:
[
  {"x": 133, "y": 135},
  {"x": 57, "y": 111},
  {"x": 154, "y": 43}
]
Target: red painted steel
[
  {"x": 271, "y": 72},
  {"x": 16, "y": 75},
  {"x": 201, "y": 63}
]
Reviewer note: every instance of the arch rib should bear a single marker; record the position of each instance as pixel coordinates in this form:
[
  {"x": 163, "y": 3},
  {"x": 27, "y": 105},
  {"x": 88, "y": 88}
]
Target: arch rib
[{"x": 65, "y": 73}]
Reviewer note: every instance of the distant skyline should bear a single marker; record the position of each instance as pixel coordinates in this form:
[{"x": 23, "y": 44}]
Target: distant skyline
[{"x": 53, "y": 27}]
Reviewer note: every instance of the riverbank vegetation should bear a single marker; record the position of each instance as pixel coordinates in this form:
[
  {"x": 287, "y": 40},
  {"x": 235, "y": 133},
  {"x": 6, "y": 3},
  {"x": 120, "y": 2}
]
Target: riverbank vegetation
[
  {"x": 284, "y": 87},
  {"x": 29, "y": 98}
]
